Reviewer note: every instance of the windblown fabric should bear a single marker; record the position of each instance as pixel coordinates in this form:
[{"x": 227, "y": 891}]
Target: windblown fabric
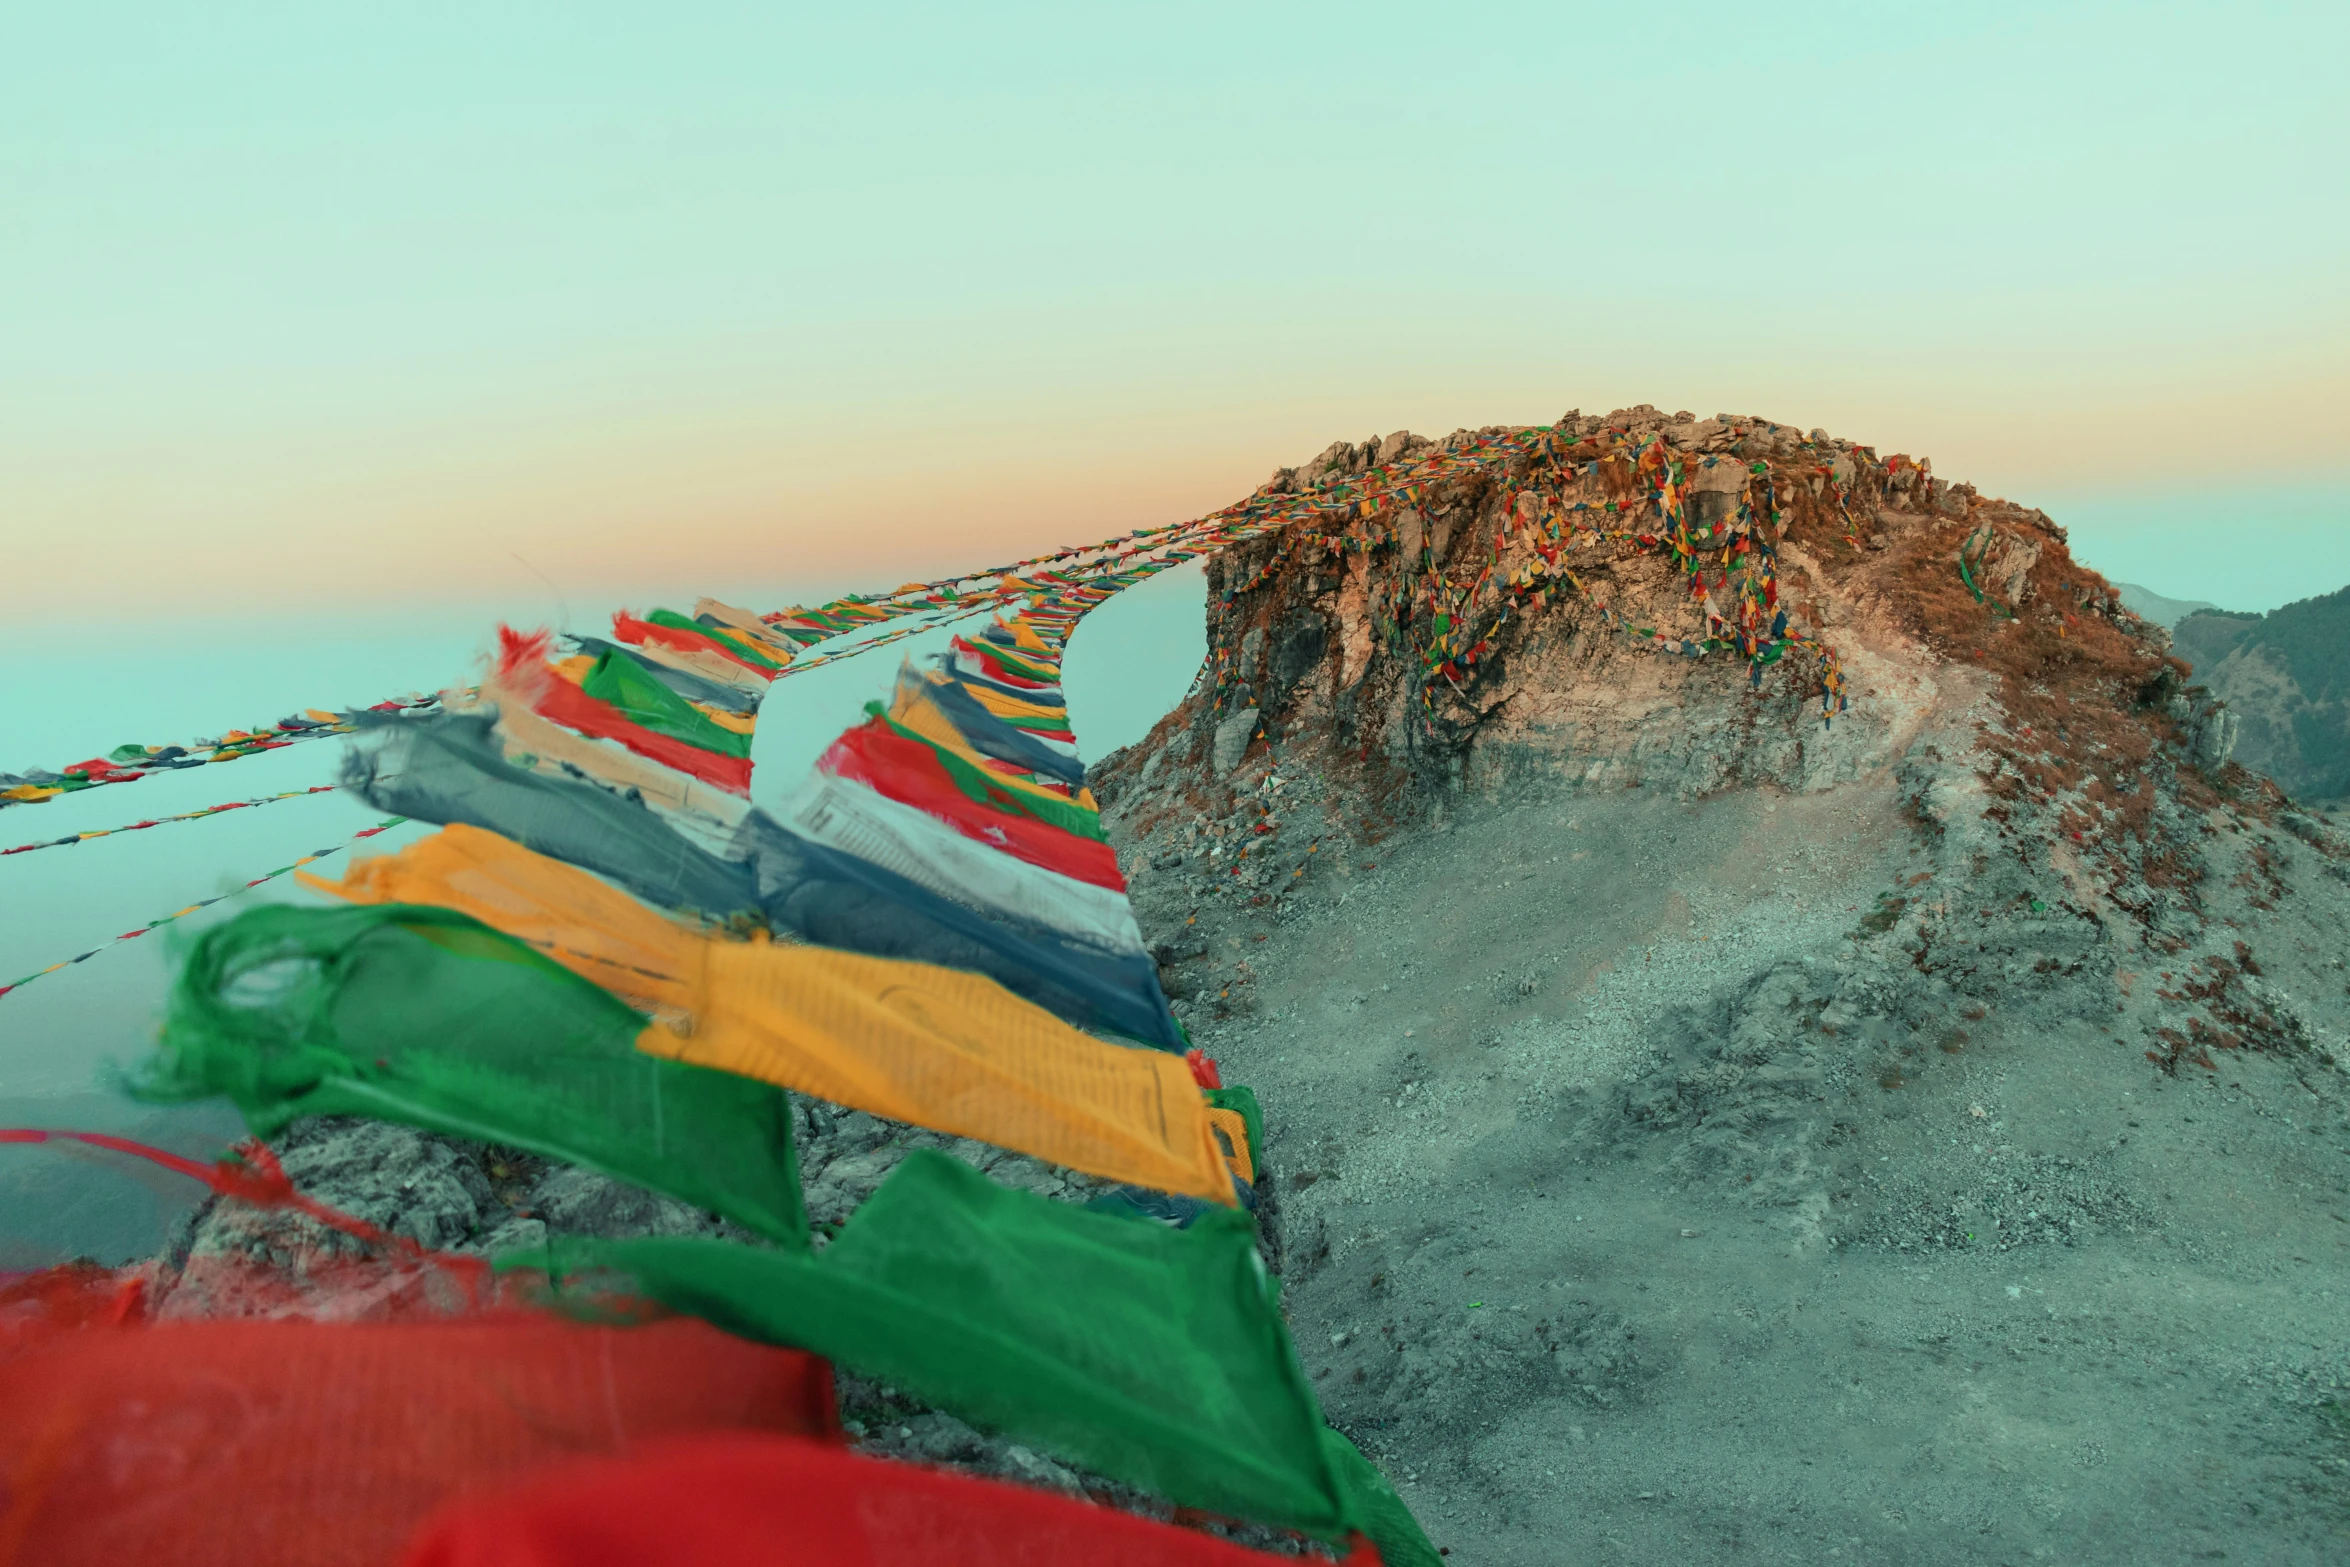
[
  {"x": 967, "y": 706},
  {"x": 584, "y": 963},
  {"x": 688, "y": 652},
  {"x": 595, "y": 930},
  {"x": 902, "y": 767},
  {"x": 961, "y": 667},
  {"x": 690, "y": 684},
  {"x": 745, "y": 630},
  {"x": 954, "y": 1052},
  {"x": 702, "y": 813},
  {"x": 452, "y": 769},
  {"x": 1150, "y": 1355},
  {"x": 912, "y": 1042},
  {"x": 130, "y": 763},
  {"x": 619, "y": 680},
  {"x": 717, "y": 759},
  {"x": 842, "y": 814},
  {"x": 1231, "y": 1129},
  {"x": 999, "y": 665},
  {"x": 1048, "y": 719},
  {"x": 666, "y": 628},
  {"x": 923, "y": 795},
  {"x": 915, "y": 713},
  {"x": 429, "y": 1017},
  {"x": 837, "y": 899},
  {"x": 666, "y": 721},
  {"x": 733, "y": 1500},
  {"x": 243, "y": 1443}
]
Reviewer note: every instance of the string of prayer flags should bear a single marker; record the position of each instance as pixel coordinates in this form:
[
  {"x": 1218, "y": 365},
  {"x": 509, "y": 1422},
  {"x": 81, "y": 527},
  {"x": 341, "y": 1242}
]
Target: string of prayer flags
[
  {"x": 688, "y": 805},
  {"x": 939, "y": 1048},
  {"x": 633, "y": 690},
  {"x": 130, "y": 763},
  {"x": 159, "y": 821},
  {"x": 915, "y": 740},
  {"x": 717, "y": 756},
  {"x": 932, "y": 789},
  {"x": 1047, "y": 719},
  {"x": 853, "y": 649},
  {"x": 668, "y": 629},
  {"x": 746, "y": 630},
  {"x": 688, "y": 651},
  {"x": 311, "y": 858},
  {"x": 841, "y": 899},
  {"x": 453, "y": 770},
  {"x": 842, "y": 813},
  {"x": 1002, "y": 667},
  {"x": 689, "y": 683},
  {"x": 966, "y": 703},
  {"x": 584, "y": 962}
]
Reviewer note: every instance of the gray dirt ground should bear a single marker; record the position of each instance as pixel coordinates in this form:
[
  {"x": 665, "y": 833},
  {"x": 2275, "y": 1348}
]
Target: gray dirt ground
[{"x": 1642, "y": 1199}]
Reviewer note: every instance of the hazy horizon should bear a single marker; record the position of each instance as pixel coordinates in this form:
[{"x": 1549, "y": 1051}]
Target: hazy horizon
[{"x": 307, "y": 309}]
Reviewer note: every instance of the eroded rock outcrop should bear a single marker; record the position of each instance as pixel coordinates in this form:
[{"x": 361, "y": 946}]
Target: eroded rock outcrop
[{"x": 1570, "y": 618}]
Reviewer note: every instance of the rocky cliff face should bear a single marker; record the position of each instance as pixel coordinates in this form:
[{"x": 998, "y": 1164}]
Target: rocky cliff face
[
  {"x": 2285, "y": 677},
  {"x": 1979, "y": 663},
  {"x": 1670, "y": 1085}
]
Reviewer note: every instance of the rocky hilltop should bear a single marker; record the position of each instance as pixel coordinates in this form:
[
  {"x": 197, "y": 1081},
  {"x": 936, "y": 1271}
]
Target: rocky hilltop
[{"x": 1882, "y": 1101}]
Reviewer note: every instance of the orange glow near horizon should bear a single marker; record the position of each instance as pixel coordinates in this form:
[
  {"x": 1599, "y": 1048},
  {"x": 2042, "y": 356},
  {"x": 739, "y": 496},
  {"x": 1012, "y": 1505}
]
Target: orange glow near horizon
[
  {"x": 299, "y": 305},
  {"x": 624, "y": 518}
]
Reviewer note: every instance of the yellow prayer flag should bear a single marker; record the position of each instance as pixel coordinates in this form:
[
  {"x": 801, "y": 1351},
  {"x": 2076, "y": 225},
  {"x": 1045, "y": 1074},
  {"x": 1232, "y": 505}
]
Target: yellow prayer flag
[{"x": 944, "y": 1049}]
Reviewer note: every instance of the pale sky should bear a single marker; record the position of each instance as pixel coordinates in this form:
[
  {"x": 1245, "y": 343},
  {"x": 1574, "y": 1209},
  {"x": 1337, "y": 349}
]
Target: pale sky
[{"x": 303, "y": 304}]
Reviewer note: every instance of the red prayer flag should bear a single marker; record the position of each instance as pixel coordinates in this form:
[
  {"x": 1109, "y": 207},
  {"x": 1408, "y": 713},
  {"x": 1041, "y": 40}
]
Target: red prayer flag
[
  {"x": 750, "y": 1501},
  {"x": 910, "y": 773}
]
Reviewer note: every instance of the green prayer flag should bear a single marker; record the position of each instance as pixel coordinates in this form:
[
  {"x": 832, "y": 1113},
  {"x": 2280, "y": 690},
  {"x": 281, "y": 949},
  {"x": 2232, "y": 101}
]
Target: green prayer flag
[
  {"x": 1150, "y": 1355},
  {"x": 675, "y": 621},
  {"x": 989, "y": 789},
  {"x": 427, "y": 1017},
  {"x": 618, "y": 678},
  {"x": 1018, "y": 664}
]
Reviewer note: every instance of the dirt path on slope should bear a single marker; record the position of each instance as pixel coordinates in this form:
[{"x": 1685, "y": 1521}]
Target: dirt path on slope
[{"x": 1640, "y": 1200}]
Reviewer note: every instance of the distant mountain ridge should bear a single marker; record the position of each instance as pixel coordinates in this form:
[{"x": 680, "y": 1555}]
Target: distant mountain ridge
[
  {"x": 2286, "y": 677},
  {"x": 2149, "y": 605}
]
